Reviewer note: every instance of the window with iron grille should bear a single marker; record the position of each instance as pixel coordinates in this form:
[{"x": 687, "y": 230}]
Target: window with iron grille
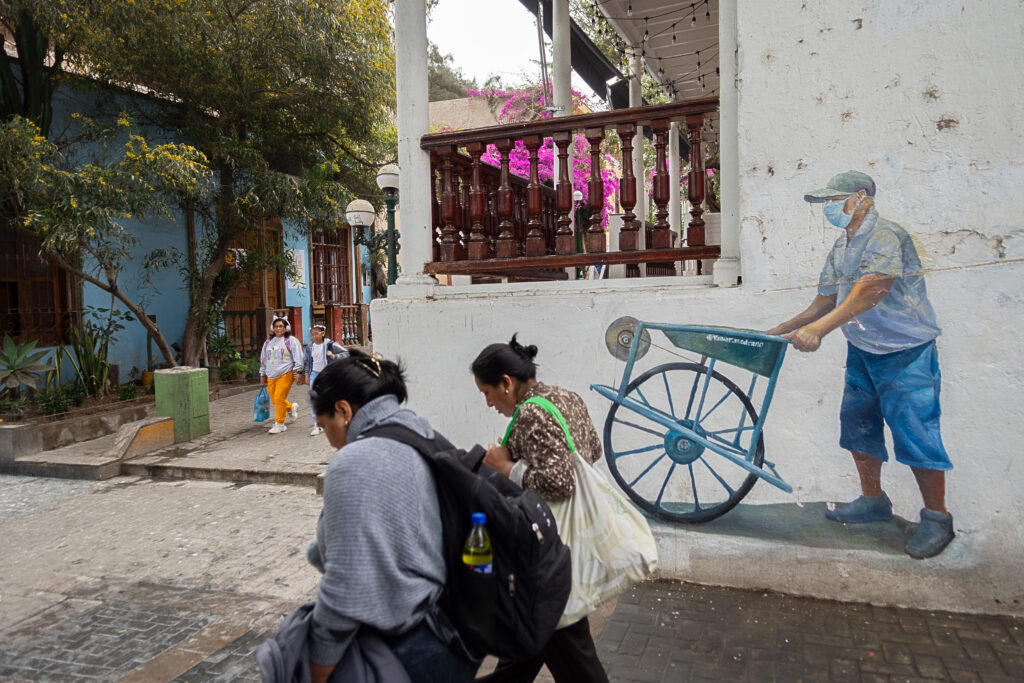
[
  {"x": 35, "y": 296},
  {"x": 332, "y": 267}
]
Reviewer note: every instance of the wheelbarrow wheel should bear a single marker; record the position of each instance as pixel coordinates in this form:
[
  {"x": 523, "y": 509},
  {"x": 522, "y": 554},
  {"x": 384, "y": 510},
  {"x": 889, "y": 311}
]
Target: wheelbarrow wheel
[{"x": 664, "y": 472}]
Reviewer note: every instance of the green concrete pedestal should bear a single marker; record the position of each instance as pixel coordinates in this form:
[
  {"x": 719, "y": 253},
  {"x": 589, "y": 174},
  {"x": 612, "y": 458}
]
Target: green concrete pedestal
[{"x": 184, "y": 394}]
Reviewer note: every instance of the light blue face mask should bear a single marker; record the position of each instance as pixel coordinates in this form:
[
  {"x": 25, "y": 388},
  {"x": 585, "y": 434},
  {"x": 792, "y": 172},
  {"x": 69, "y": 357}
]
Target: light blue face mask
[{"x": 834, "y": 214}]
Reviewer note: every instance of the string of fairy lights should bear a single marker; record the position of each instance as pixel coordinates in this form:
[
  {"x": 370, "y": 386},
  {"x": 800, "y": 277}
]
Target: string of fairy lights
[{"x": 683, "y": 15}]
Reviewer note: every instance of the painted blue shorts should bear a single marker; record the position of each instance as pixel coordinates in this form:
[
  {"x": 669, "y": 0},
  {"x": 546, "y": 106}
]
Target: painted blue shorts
[{"x": 901, "y": 388}]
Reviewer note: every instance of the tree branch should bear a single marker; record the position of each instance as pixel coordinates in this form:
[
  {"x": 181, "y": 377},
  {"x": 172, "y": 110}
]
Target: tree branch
[
  {"x": 341, "y": 145},
  {"x": 113, "y": 289}
]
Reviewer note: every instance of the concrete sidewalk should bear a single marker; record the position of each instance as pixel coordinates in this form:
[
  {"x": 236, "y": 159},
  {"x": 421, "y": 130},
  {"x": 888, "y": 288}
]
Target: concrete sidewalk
[{"x": 240, "y": 450}]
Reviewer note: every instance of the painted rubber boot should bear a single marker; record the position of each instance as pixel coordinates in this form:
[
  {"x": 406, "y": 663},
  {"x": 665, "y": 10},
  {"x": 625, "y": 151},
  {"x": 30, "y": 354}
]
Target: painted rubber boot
[
  {"x": 932, "y": 535},
  {"x": 862, "y": 510}
]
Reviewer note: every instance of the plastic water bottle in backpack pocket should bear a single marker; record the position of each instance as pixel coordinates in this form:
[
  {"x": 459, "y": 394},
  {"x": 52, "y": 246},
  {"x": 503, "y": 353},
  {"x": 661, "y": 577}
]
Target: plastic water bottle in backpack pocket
[{"x": 261, "y": 410}]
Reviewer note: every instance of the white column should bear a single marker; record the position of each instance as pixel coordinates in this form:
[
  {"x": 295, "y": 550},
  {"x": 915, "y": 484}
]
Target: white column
[
  {"x": 562, "y": 57},
  {"x": 636, "y": 100},
  {"x": 561, "y": 65},
  {"x": 413, "y": 162},
  {"x": 561, "y": 77},
  {"x": 727, "y": 267}
]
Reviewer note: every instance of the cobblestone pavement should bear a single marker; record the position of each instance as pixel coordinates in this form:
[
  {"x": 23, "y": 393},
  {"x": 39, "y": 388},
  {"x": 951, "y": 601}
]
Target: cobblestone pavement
[
  {"x": 667, "y": 631},
  {"x": 138, "y": 580}
]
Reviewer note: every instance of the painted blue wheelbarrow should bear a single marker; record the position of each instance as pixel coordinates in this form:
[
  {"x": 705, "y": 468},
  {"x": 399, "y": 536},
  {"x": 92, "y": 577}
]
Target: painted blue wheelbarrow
[{"x": 682, "y": 440}]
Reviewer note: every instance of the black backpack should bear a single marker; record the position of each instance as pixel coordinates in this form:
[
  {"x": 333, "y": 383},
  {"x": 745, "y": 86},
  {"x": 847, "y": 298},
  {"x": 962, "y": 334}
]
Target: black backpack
[{"x": 512, "y": 612}]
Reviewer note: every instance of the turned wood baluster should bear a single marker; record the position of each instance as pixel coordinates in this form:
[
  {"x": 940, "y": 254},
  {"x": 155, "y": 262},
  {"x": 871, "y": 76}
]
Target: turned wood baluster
[
  {"x": 462, "y": 234},
  {"x": 534, "y": 205},
  {"x": 506, "y": 247},
  {"x": 661, "y": 237},
  {"x": 627, "y": 189},
  {"x": 492, "y": 218},
  {"x": 695, "y": 181},
  {"x": 519, "y": 219},
  {"x": 476, "y": 244},
  {"x": 448, "y": 201},
  {"x": 595, "y": 237},
  {"x": 565, "y": 243},
  {"x": 435, "y": 211}
]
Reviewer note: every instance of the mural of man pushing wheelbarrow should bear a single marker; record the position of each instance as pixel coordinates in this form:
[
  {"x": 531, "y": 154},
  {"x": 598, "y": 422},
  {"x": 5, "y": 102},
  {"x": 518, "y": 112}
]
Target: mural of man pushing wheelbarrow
[{"x": 872, "y": 288}]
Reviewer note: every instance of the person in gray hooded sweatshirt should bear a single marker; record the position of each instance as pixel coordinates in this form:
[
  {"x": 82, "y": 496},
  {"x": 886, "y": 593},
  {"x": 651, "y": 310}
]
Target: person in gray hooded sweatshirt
[{"x": 378, "y": 540}]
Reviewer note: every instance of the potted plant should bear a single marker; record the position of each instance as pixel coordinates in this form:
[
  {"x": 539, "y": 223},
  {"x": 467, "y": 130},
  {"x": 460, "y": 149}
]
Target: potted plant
[
  {"x": 218, "y": 349},
  {"x": 234, "y": 370}
]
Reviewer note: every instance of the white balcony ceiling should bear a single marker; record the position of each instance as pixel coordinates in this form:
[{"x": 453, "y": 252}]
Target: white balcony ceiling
[{"x": 674, "y": 63}]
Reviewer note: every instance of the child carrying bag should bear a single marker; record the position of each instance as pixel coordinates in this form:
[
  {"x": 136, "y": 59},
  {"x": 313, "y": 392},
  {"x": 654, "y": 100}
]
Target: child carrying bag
[
  {"x": 261, "y": 409},
  {"x": 612, "y": 545}
]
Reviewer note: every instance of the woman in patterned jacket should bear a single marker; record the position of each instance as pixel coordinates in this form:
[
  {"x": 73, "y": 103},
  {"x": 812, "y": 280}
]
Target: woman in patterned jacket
[{"x": 536, "y": 456}]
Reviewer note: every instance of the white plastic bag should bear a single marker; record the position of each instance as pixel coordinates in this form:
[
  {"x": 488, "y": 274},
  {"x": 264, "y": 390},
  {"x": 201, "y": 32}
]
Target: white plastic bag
[{"x": 612, "y": 545}]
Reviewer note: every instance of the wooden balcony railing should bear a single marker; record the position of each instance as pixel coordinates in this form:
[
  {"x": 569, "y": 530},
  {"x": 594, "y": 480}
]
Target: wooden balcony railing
[
  {"x": 246, "y": 330},
  {"x": 490, "y": 222},
  {"x": 347, "y": 324}
]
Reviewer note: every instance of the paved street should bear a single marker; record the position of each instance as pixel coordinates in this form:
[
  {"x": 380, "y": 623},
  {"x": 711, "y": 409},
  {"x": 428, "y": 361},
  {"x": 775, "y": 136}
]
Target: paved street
[{"x": 135, "y": 579}]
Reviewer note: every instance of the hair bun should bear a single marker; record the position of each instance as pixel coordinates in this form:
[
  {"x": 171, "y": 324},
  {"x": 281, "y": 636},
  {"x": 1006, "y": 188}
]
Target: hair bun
[{"x": 529, "y": 352}]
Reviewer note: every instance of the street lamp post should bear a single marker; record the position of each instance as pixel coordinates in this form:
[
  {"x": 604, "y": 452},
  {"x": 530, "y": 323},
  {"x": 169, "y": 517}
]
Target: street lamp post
[
  {"x": 360, "y": 215},
  {"x": 387, "y": 181}
]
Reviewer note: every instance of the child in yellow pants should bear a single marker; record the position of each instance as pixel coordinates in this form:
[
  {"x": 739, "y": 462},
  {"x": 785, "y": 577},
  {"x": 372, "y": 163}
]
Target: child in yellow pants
[
  {"x": 278, "y": 388},
  {"x": 280, "y": 360}
]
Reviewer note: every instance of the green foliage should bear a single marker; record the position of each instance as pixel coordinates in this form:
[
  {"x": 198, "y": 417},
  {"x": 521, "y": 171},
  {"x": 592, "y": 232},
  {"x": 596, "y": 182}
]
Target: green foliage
[
  {"x": 127, "y": 392},
  {"x": 43, "y": 31},
  {"x": 76, "y": 393},
  {"x": 21, "y": 365},
  {"x": 291, "y": 101},
  {"x": 90, "y": 345},
  {"x": 233, "y": 368},
  {"x": 221, "y": 348},
  {"x": 79, "y": 210},
  {"x": 445, "y": 81},
  {"x": 53, "y": 401},
  {"x": 252, "y": 366},
  {"x": 12, "y": 402}
]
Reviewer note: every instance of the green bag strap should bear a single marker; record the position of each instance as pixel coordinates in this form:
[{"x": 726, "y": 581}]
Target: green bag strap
[{"x": 551, "y": 408}]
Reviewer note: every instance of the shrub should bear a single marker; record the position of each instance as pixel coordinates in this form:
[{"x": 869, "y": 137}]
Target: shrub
[
  {"x": 127, "y": 392},
  {"x": 75, "y": 393},
  {"x": 54, "y": 401}
]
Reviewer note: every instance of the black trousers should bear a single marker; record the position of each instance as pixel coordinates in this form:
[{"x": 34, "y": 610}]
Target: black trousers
[{"x": 570, "y": 656}]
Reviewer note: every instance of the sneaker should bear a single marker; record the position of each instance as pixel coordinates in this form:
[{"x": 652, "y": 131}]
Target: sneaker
[
  {"x": 294, "y": 412},
  {"x": 932, "y": 535},
  {"x": 278, "y": 428},
  {"x": 864, "y": 509},
  {"x": 316, "y": 430}
]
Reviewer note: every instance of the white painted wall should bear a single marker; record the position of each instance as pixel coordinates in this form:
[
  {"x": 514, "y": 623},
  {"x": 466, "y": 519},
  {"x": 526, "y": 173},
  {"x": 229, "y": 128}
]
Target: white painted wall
[{"x": 823, "y": 87}]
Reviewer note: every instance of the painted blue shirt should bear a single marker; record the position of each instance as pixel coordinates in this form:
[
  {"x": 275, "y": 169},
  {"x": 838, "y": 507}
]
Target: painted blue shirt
[{"x": 905, "y": 317}]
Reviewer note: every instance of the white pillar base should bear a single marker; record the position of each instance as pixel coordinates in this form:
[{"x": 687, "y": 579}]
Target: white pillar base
[
  {"x": 418, "y": 286},
  {"x": 726, "y": 272}
]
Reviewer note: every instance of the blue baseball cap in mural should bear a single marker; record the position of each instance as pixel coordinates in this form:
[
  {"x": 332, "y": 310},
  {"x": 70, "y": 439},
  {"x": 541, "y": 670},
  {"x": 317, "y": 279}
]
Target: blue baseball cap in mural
[{"x": 843, "y": 185}]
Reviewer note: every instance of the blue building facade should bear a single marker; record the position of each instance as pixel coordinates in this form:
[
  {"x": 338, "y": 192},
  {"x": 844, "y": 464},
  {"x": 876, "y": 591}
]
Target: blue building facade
[{"x": 43, "y": 307}]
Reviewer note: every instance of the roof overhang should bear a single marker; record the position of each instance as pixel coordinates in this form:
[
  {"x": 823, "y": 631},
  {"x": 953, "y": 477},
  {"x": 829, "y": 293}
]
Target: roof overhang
[
  {"x": 681, "y": 46},
  {"x": 587, "y": 60}
]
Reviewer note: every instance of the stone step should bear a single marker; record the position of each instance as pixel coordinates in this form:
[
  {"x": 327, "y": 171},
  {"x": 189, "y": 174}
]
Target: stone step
[
  {"x": 98, "y": 458},
  {"x": 212, "y": 472}
]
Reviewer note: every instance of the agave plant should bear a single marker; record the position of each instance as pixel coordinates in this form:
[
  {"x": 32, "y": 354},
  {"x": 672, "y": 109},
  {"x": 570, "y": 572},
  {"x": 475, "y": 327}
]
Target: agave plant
[{"x": 21, "y": 364}]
